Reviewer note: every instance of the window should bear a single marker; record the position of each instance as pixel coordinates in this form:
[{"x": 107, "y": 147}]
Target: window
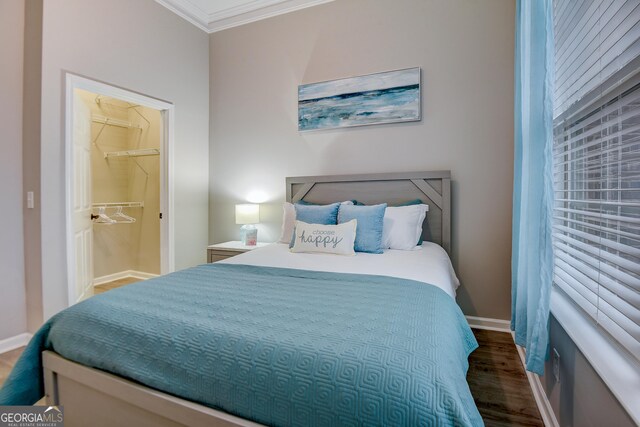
[{"x": 597, "y": 162}]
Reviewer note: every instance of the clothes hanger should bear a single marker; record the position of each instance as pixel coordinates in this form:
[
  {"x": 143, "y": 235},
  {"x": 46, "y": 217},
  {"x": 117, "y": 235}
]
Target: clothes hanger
[
  {"x": 119, "y": 215},
  {"x": 102, "y": 217}
]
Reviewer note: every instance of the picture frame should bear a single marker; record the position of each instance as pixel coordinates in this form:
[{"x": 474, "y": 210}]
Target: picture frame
[{"x": 384, "y": 97}]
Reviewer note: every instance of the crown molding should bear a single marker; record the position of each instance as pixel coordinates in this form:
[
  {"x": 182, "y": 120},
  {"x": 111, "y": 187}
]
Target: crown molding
[
  {"x": 187, "y": 10},
  {"x": 245, "y": 13},
  {"x": 256, "y": 11},
  {"x": 241, "y": 9}
]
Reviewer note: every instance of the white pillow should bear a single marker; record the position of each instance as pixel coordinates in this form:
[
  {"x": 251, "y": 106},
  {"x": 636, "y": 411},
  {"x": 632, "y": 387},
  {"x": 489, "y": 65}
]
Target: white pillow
[
  {"x": 334, "y": 239},
  {"x": 289, "y": 221},
  {"x": 403, "y": 226}
]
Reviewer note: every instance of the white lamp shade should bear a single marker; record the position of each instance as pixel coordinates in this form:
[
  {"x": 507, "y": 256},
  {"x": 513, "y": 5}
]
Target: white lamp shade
[{"x": 247, "y": 213}]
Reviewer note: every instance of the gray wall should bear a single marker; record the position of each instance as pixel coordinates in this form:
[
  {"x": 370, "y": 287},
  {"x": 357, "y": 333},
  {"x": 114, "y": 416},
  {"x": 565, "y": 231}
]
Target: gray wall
[
  {"x": 31, "y": 125},
  {"x": 467, "y": 123},
  {"x": 12, "y": 290},
  {"x": 581, "y": 398},
  {"x": 141, "y": 46}
]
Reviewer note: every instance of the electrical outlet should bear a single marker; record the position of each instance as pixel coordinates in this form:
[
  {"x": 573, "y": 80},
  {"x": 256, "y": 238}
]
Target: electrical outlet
[
  {"x": 30, "y": 202},
  {"x": 556, "y": 365}
]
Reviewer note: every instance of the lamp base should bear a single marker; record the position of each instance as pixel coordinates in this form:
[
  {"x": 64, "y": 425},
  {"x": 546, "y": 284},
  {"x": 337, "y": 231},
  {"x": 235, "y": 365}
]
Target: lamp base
[{"x": 249, "y": 235}]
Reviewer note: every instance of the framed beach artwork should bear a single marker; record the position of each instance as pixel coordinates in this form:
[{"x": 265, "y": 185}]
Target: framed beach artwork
[{"x": 389, "y": 97}]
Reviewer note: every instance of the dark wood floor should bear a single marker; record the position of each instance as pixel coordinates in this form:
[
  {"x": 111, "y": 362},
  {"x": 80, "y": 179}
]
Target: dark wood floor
[
  {"x": 496, "y": 378},
  {"x": 499, "y": 384}
]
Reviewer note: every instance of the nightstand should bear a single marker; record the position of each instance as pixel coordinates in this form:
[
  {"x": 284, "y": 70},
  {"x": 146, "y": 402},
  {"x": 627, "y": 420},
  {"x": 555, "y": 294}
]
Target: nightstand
[{"x": 226, "y": 250}]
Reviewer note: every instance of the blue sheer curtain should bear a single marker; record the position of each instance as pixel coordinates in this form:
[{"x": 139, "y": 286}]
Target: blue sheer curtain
[{"x": 532, "y": 251}]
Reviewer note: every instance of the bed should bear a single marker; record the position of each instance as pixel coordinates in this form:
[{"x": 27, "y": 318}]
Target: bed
[{"x": 270, "y": 337}]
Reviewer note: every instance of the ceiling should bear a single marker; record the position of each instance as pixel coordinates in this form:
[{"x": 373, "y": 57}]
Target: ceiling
[{"x": 216, "y": 15}]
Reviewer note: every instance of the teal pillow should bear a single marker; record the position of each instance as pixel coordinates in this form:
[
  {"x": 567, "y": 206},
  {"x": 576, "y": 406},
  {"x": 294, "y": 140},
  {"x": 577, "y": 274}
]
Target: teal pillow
[
  {"x": 409, "y": 203},
  {"x": 315, "y": 214},
  {"x": 412, "y": 202},
  {"x": 305, "y": 203},
  {"x": 370, "y": 222}
]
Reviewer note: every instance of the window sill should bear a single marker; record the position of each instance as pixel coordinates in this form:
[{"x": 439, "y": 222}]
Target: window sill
[{"x": 619, "y": 370}]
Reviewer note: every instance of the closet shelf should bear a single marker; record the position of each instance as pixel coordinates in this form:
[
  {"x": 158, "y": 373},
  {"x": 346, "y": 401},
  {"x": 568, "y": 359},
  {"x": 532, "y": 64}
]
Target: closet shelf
[
  {"x": 133, "y": 153},
  {"x": 118, "y": 205},
  {"x": 113, "y": 122}
]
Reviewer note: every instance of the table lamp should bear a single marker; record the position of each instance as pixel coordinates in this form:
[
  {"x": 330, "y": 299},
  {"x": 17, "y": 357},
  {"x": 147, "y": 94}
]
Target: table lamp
[{"x": 248, "y": 214}]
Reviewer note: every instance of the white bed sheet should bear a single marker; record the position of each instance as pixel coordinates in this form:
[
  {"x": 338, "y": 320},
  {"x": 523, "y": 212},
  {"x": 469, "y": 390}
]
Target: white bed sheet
[{"x": 430, "y": 264}]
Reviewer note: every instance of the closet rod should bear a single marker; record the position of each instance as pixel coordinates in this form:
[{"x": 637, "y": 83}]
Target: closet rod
[
  {"x": 133, "y": 153},
  {"x": 98, "y": 101},
  {"x": 114, "y": 122},
  {"x": 118, "y": 205}
]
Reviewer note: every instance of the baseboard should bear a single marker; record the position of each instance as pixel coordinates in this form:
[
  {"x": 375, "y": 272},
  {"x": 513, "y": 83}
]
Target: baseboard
[
  {"x": 122, "y": 275},
  {"x": 142, "y": 275},
  {"x": 88, "y": 292},
  {"x": 12, "y": 343},
  {"x": 542, "y": 401},
  {"x": 489, "y": 324}
]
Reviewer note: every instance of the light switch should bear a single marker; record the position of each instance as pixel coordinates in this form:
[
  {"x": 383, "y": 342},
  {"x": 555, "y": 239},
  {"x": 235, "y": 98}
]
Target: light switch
[{"x": 30, "y": 200}]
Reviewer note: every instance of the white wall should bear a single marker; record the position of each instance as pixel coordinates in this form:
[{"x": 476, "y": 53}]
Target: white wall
[
  {"x": 465, "y": 49},
  {"x": 13, "y": 319},
  {"x": 141, "y": 46}
]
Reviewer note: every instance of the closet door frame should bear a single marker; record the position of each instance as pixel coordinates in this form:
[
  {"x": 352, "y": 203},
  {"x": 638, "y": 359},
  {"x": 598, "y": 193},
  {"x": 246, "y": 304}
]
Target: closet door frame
[{"x": 167, "y": 111}]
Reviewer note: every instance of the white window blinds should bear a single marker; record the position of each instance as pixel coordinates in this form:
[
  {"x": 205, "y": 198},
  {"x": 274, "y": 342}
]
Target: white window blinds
[
  {"x": 597, "y": 162},
  {"x": 594, "y": 39}
]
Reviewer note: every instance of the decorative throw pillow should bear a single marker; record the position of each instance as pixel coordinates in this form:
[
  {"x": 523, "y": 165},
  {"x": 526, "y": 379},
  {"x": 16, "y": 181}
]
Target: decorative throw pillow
[
  {"x": 370, "y": 225},
  {"x": 318, "y": 214},
  {"x": 403, "y": 226},
  {"x": 334, "y": 239},
  {"x": 289, "y": 218}
]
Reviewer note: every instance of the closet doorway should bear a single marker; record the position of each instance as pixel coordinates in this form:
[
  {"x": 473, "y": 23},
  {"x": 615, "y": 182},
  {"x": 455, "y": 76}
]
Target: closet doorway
[{"x": 119, "y": 210}]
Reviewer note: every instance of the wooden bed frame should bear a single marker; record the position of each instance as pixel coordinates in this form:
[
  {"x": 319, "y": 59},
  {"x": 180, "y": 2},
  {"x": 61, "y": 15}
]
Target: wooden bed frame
[{"x": 96, "y": 398}]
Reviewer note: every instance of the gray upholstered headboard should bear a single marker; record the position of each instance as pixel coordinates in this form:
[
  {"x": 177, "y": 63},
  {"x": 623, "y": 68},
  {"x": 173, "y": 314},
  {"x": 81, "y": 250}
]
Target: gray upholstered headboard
[{"x": 433, "y": 188}]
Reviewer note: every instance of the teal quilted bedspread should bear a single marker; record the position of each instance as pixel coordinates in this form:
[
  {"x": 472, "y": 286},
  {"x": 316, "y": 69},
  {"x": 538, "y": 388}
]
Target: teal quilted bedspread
[{"x": 282, "y": 347}]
